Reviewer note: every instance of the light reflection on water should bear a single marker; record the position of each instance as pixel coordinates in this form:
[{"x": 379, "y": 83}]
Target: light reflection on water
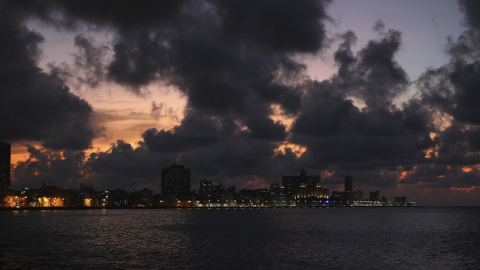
[{"x": 326, "y": 238}]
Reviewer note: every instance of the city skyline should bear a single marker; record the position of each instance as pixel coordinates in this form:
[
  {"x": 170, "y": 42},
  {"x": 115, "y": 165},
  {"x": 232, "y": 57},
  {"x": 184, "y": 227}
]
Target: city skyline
[
  {"x": 302, "y": 190},
  {"x": 108, "y": 92}
]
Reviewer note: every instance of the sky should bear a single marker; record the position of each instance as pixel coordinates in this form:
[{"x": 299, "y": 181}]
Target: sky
[{"x": 108, "y": 93}]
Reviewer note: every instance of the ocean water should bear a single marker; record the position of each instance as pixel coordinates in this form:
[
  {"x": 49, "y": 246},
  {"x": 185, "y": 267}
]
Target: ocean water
[{"x": 293, "y": 238}]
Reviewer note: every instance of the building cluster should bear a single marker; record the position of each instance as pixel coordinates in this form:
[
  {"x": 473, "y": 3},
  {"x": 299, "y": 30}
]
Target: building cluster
[
  {"x": 295, "y": 191},
  {"x": 50, "y": 196}
]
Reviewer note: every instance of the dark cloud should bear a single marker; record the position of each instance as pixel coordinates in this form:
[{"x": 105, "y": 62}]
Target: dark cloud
[
  {"x": 138, "y": 59},
  {"x": 459, "y": 145},
  {"x": 281, "y": 26},
  {"x": 221, "y": 74},
  {"x": 453, "y": 88},
  {"x": 441, "y": 176},
  {"x": 38, "y": 105},
  {"x": 195, "y": 130},
  {"x": 235, "y": 62},
  {"x": 124, "y": 166},
  {"x": 466, "y": 81},
  {"x": 344, "y": 56},
  {"x": 471, "y": 8},
  {"x": 56, "y": 169},
  {"x": 90, "y": 60},
  {"x": 338, "y": 133},
  {"x": 451, "y": 93},
  {"x": 122, "y": 15},
  {"x": 372, "y": 75},
  {"x": 237, "y": 159}
]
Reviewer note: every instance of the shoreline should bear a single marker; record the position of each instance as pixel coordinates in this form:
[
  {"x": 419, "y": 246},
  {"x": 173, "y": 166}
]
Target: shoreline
[{"x": 232, "y": 207}]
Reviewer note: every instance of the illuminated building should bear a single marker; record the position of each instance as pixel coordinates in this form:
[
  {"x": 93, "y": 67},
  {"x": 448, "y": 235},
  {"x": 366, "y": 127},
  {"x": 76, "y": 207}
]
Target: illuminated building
[
  {"x": 304, "y": 186},
  {"x": 48, "y": 196},
  {"x": 5, "y": 152},
  {"x": 175, "y": 181},
  {"x": 205, "y": 190},
  {"x": 278, "y": 197},
  {"x": 12, "y": 201},
  {"x": 210, "y": 195},
  {"x": 50, "y": 202},
  {"x": 87, "y": 202}
]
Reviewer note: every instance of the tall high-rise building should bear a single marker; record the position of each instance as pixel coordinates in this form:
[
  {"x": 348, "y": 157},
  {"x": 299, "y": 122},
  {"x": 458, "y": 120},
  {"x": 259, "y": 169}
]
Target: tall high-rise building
[
  {"x": 348, "y": 184},
  {"x": 5, "y": 152},
  {"x": 349, "y": 189},
  {"x": 175, "y": 180},
  {"x": 205, "y": 190}
]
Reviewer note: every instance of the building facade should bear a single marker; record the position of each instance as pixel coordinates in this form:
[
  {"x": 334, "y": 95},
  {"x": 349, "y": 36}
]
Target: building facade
[
  {"x": 175, "y": 181},
  {"x": 349, "y": 189},
  {"x": 304, "y": 186},
  {"x": 375, "y": 195},
  {"x": 5, "y": 153}
]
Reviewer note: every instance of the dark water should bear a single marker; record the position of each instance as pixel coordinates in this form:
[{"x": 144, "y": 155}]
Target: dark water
[{"x": 325, "y": 238}]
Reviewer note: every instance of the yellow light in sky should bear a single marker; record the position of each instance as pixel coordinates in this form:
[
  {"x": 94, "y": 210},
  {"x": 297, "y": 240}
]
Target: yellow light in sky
[
  {"x": 297, "y": 149},
  {"x": 124, "y": 115},
  {"x": 279, "y": 115}
]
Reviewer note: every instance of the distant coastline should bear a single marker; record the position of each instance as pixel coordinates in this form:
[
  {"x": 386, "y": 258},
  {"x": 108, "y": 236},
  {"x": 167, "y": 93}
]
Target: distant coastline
[{"x": 194, "y": 207}]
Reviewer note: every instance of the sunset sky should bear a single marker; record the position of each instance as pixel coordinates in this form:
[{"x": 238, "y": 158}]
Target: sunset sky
[{"x": 242, "y": 92}]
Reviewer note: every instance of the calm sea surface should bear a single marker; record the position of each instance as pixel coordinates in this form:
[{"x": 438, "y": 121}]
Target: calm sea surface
[{"x": 318, "y": 238}]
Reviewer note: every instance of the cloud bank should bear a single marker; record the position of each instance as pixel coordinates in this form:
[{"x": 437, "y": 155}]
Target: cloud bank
[{"x": 235, "y": 62}]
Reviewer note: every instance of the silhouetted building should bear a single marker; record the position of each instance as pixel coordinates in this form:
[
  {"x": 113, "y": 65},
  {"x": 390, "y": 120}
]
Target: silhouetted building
[
  {"x": 86, "y": 189},
  {"x": 246, "y": 197},
  {"x": 205, "y": 191},
  {"x": 304, "y": 186},
  {"x": 218, "y": 193},
  {"x": 175, "y": 181},
  {"x": 5, "y": 153},
  {"x": 145, "y": 197},
  {"x": 399, "y": 201},
  {"x": 229, "y": 196},
  {"x": 358, "y": 195},
  {"x": 337, "y": 198},
  {"x": 209, "y": 194},
  {"x": 375, "y": 195},
  {"x": 278, "y": 196},
  {"x": 349, "y": 189},
  {"x": 348, "y": 184}
]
